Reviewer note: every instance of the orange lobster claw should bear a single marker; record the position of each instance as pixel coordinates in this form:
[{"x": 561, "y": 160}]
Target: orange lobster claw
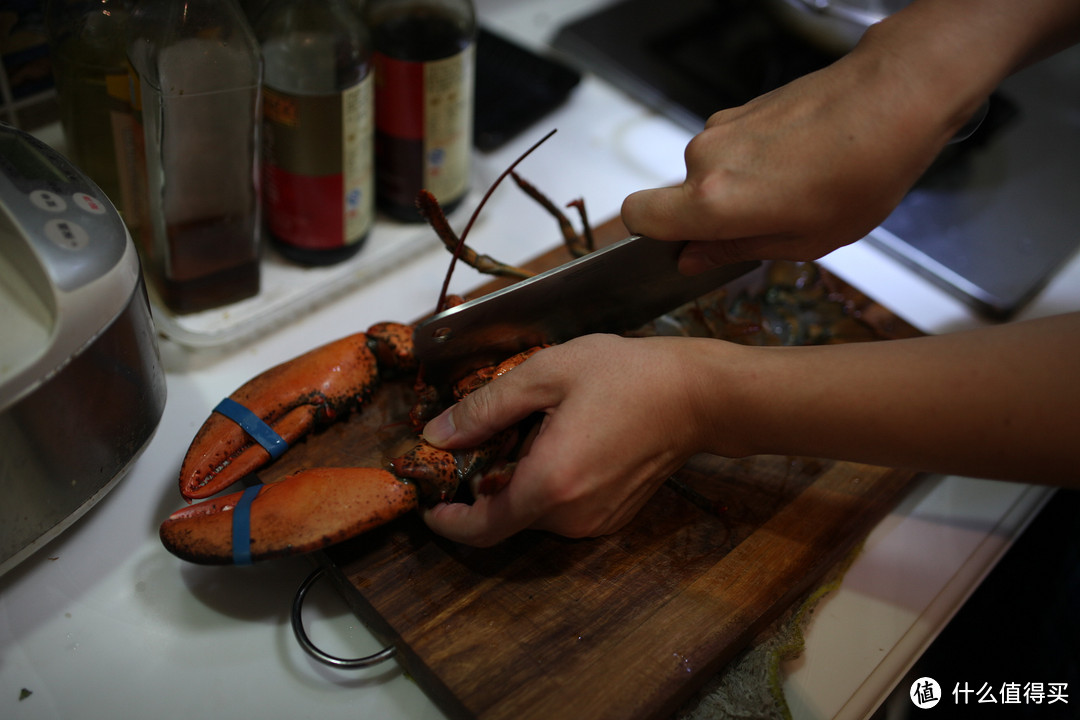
[
  {"x": 306, "y": 511},
  {"x": 291, "y": 399},
  {"x": 316, "y": 507}
]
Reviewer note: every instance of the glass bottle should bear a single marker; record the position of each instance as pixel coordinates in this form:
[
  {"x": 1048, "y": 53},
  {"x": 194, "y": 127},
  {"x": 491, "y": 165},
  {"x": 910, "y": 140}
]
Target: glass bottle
[
  {"x": 424, "y": 80},
  {"x": 88, "y": 45},
  {"x": 200, "y": 82},
  {"x": 318, "y": 129}
]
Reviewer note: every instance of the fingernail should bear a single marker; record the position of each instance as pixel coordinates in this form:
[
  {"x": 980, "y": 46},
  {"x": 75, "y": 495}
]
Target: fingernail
[{"x": 441, "y": 428}]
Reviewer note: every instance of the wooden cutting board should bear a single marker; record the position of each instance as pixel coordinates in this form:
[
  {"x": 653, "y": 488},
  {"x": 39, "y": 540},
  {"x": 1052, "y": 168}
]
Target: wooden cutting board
[{"x": 623, "y": 626}]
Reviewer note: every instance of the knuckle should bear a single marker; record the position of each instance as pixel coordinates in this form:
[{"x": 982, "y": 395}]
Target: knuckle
[{"x": 478, "y": 406}]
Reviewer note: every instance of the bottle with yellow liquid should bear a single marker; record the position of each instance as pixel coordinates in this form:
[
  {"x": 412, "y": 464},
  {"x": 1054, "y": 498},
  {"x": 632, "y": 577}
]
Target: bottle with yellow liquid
[{"x": 88, "y": 44}]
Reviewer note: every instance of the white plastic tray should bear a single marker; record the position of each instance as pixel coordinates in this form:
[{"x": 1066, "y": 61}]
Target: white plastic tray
[{"x": 288, "y": 290}]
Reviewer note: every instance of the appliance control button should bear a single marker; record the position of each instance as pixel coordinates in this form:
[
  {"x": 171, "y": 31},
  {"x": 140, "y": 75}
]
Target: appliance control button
[
  {"x": 48, "y": 201},
  {"x": 89, "y": 203},
  {"x": 66, "y": 234}
]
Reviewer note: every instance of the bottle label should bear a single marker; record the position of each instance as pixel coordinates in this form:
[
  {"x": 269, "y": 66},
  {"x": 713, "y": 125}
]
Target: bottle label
[
  {"x": 318, "y": 166},
  {"x": 423, "y": 121}
]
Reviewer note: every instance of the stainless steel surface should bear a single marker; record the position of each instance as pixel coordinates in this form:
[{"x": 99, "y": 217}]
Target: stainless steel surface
[
  {"x": 81, "y": 383},
  {"x": 835, "y": 26},
  {"x": 297, "y": 619},
  {"x": 616, "y": 289},
  {"x": 998, "y": 216},
  {"x": 73, "y": 438}
]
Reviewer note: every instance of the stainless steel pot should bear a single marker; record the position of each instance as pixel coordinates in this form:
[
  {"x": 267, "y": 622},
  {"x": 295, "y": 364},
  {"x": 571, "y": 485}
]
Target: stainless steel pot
[
  {"x": 81, "y": 384},
  {"x": 834, "y": 26}
]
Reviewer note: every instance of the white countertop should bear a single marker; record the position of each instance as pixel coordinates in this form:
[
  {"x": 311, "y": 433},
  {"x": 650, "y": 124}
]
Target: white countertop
[{"x": 104, "y": 623}]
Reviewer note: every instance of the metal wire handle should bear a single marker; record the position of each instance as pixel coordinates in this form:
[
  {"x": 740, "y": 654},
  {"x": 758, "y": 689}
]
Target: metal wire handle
[{"x": 310, "y": 647}]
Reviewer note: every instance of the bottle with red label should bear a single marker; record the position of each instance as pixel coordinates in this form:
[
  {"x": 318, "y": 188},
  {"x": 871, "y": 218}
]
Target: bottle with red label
[
  {"x": 424, "y": 74},
  {"x": 318, "y": 130}
]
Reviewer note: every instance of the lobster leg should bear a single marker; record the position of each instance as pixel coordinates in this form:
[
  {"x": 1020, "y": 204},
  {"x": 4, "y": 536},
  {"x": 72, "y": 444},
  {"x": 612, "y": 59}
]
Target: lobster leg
[
  {"x": 576, "y": 245},
  {"x": 431, "y": 211}
]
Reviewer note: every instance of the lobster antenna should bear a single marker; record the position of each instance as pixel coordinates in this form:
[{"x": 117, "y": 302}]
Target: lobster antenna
[{"x": 476, "y": 213}]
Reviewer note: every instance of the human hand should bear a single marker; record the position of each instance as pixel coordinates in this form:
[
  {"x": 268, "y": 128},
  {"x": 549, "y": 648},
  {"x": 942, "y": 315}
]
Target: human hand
[
  {"x": 800, "y": 171},
  {"x": 619, "y": 416},
  {"x": 820, "y": 162}
]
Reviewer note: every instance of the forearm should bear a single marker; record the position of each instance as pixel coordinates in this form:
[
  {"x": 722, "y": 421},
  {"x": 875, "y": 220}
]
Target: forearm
[
  {"x": 953, "y": 53},
  {"x": 991, "y": 38},
  {"x": 1003, "y": 402}
]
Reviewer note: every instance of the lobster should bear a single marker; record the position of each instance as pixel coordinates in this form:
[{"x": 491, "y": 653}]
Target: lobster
[{"x": 315, "y": 507}]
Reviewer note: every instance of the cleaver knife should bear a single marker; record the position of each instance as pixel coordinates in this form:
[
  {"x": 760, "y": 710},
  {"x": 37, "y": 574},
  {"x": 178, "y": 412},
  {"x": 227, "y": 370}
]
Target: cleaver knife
[{"x": 616, "y": 289}]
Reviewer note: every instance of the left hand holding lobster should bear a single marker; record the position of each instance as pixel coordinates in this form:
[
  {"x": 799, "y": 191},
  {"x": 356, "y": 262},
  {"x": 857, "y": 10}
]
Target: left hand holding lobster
[
  {"x": 621, "y": 414},
  {"x": 605, "y": 444}
]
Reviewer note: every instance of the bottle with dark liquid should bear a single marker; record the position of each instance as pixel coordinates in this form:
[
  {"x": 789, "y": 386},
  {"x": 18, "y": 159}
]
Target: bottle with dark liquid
[
  {"x": 318, "y": 131},
  {"x": 200, "y": 82},
  {"x": 424, "y": 75}
]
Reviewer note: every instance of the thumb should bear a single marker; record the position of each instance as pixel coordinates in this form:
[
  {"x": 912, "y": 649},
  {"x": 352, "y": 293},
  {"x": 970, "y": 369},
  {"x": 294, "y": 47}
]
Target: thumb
[
  {"x": 664, "y": 214},
  {"x": 667, "y": 214}
]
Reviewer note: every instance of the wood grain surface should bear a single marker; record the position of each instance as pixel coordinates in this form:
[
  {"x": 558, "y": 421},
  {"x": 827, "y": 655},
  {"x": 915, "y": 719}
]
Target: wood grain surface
[{"x": 624, "y": 626}]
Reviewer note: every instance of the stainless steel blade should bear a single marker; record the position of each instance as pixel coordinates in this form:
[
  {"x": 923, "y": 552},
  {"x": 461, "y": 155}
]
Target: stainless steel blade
[{"x": 616, "y": 289}]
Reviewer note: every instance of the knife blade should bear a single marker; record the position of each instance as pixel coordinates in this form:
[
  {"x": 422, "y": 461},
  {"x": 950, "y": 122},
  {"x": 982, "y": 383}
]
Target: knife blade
[{"x": 616, "y": 289}]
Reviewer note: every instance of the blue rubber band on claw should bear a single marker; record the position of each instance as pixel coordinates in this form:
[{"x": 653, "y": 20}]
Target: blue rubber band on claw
[
  {"x": 254, "y": 426},
  {"x": 241, "y": 526}
]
